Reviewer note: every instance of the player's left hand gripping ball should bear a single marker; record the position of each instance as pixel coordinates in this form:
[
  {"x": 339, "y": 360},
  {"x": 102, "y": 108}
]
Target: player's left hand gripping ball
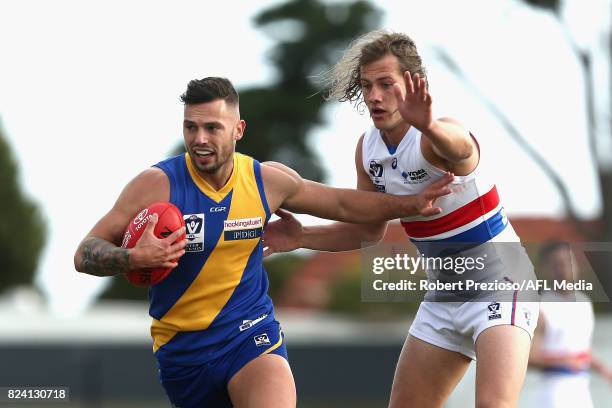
[{"x": 169, "y": 219}]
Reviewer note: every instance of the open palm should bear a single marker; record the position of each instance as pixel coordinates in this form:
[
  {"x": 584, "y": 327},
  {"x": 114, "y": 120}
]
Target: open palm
[{"x": 414, "y": 101}]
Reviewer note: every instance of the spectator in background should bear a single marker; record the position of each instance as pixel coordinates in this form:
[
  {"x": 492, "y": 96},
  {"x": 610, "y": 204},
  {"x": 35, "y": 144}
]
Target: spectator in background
[{"x": 561, "y": 348}]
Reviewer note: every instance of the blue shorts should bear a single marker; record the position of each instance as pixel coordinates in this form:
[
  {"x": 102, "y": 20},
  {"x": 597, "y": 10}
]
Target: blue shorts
[{"x": 206, "y": 385}]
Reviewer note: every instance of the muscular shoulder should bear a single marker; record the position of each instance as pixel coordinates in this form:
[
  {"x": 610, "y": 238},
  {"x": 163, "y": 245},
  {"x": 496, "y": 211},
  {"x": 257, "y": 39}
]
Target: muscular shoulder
[
  {"x": 149, "y": 186},
  {"x": 152, "y": 181},
  {"x": 278, "y": 176},
  {"x": 280, "y": 182}
]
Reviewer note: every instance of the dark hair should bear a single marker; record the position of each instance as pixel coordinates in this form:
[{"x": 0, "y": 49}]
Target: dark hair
[
  {"x": 209, "y": 89},
  {"x": 550, "y": 247}
]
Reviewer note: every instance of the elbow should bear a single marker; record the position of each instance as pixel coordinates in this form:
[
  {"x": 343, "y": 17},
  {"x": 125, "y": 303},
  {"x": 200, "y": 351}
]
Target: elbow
[
  {"x": 373, "y": 238},
  {"x": 467, "y": 151},
  {"x": 77, "y": 262},
  {"x": 373, "y": 235},
  {"x": 462, "y": 153}
]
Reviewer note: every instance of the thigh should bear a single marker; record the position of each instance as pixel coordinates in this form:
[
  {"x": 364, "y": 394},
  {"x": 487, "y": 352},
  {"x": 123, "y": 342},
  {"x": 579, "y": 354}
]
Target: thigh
[
  {"x": 194, "y": 386},
  {"x": 425, "y": 374},
  {"x": 265, "y": 382},
  {"x": 259, "y": 375},
  {"x": 502, "y": 353}
]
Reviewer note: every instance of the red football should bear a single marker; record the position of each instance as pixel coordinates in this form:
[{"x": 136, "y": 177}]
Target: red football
[{"x": 169, "y": 219}]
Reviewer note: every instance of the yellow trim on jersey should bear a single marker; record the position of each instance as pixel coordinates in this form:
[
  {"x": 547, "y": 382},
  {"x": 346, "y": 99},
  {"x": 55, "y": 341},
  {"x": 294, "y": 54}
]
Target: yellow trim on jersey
[
  {"x": 277, "y": 345},
  {"x": 217, "y": 195},
  {"x": 224, "y": 268}
]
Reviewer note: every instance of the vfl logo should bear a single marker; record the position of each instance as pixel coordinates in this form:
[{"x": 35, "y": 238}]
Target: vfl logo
[
  {"x": 262, "y": 340},
  {"x": 376, "y": 173},
  {"x": 194, "y": 225},
  {"x": 195, "y": 232},
  {"x": 376, "y": 168},
  {"x": 494, "y": 310}
]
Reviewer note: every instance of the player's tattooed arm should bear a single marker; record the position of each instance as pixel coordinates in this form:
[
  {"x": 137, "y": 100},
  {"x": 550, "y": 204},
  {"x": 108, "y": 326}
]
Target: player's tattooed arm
[{"x": 102, "y": 258}]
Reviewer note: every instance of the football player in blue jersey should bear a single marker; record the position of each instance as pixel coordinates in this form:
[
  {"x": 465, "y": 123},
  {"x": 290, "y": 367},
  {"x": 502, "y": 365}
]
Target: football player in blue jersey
[{"x": 215, "y": 336}]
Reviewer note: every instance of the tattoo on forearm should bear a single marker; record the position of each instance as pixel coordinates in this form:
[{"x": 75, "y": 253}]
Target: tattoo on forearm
[{"x": 102, "y": 258}]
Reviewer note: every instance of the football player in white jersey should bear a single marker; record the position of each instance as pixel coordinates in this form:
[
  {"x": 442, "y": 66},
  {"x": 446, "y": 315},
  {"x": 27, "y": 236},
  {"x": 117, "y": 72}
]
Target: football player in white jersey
[
  {"x": 407, "y": 149},
  {"x": 561, "y": 347}
]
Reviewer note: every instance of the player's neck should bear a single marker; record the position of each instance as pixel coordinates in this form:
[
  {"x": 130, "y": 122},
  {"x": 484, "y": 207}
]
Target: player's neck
[
  {"x": 394, "y": 135},
  {"x": 219, "y": 178}
]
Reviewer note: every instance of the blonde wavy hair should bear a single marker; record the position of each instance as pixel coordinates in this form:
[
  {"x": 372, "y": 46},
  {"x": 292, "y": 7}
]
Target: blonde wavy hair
[{"x": 344, "y": 79}]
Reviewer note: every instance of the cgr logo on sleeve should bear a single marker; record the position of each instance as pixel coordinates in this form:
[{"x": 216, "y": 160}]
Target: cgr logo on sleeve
[
  {"x": 194, "y": 223},
  {"x": 243, "y": 228}
]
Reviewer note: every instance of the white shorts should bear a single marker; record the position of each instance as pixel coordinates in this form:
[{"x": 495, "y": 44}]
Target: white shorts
[{"x": 456, "y": 326}]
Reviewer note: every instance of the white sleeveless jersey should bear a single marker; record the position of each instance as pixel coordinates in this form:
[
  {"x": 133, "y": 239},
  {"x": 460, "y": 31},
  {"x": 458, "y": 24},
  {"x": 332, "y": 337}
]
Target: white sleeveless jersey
[
  {"x": 568, "y": 325},
  {"x": 472, "y": 213}
]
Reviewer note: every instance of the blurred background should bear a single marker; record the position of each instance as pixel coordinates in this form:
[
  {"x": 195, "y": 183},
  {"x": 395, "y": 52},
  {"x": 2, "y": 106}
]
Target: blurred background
[{"x": 89, "y": 97}]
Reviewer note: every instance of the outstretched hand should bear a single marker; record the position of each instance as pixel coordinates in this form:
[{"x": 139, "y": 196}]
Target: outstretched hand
[
  {"x": 414, "y": 101},
  {"x": 282, "y": 235},
  {"x": 427, "y": 198},
  {"x": 153, "y": 252}
]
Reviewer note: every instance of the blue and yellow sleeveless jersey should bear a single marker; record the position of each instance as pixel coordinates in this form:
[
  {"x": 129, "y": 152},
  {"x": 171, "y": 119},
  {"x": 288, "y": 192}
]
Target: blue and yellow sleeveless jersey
[{"x": 218, "y": 291}]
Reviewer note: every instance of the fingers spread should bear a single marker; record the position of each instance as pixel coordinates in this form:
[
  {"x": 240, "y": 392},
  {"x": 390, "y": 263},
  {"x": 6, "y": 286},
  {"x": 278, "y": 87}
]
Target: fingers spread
[
  {"x": 177, "y": 246},
  {"x": 397, "y": 91},
  {"x": 175, "y": 235},
  {"x": 151, "y": 224},
  {"x": 423, "y": 90},
  {"x": 431, "y": 211},
  {"x": 444, "y": 180},
  {"x": 416, "y": 80},
  {"x": 442, "y": 192},
  {"x": 409, "y": 84},
  {"x": 170, "y": 264},
  {"x": 433, "y": 194}
]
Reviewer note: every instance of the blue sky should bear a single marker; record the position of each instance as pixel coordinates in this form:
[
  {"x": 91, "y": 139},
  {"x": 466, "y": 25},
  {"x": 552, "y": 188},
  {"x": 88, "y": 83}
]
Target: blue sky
[{"x": 89, "y": 98}]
